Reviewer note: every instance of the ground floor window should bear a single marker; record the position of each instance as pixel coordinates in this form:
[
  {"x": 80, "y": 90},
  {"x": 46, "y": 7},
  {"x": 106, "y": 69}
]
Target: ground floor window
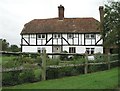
[
  {"x": 40, "y": 50},
  {"x": 90, "y": 50},
  {"x": 72, "y": 50}
]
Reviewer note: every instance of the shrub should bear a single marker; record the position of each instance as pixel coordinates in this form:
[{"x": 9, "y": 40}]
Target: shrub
[
  {"x": 27, "y": 76},
  {"x": 37, "y": 74},
  {"x": 10, "y": 78},
  {"x": 64, "y": 57}
]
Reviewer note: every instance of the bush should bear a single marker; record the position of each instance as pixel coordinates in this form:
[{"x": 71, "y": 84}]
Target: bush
[
  {"x": 27, "y": 76},
  {"x": 64, "y": 57},
  {"x": 37, "y": 74},
  {"x": 10, "y": 78}
]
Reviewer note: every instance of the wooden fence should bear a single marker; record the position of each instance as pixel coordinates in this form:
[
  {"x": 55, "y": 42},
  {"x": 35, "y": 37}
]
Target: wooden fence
[{"x": 44, "y": 58}]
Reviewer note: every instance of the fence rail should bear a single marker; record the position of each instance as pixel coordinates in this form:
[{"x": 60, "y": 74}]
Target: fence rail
[{"x": 44, "y": 55}]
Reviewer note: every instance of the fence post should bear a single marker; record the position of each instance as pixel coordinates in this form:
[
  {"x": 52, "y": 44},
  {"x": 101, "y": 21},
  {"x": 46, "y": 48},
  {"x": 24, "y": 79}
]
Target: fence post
[
  {"x": 44, "y": 65},
  {"x": 86, "y": 63},
  {"x": 108, "y": 61}
]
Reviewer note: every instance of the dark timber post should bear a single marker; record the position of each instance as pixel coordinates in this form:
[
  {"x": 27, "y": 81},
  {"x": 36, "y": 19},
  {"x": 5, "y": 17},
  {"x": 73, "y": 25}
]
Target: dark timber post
[
  {"x": 86, "y": 63},
  {"x": 44, "y": 65}
]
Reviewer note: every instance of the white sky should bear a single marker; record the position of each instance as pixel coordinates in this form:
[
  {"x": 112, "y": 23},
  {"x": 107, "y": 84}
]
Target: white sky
[{"x": 15, "y": 13}]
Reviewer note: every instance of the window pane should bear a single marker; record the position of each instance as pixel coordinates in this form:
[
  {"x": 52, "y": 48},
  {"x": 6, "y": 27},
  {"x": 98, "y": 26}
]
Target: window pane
[
  {"x": 43, "y": 35},
  {"x": 86, "y": 35},
  {"x": 59, "y": 36},
  {"x": 39, "y": 35},
  {"x": 92, "y": 36}
]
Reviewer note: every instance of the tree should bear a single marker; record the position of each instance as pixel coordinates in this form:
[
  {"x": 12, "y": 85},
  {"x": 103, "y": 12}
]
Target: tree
[
  {"x": 14, "y": 48},
  {"x": 4, "y": 45},
  {"x": 111, "y": 24}
]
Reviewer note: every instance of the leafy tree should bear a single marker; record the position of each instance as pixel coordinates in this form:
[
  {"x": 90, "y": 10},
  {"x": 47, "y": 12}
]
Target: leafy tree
[
  {"x": 14, "y": 48},
  {"x": 4, "y": 45},
  {"x": 111, "y": 24}
]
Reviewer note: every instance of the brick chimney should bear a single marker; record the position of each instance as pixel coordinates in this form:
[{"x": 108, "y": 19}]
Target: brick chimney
[
  {"x": 60, "y": 12},
  {"x": 101, "y": 13}
]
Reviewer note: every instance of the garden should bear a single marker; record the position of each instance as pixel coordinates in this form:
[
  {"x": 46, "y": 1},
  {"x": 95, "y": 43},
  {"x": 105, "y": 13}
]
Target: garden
[{"x": 27, "y": 68}]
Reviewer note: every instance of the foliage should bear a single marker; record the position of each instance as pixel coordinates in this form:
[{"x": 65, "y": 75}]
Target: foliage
[
  {"x": 111, "y": 31},
  {"x": 14, "y": 48},
  {"x": 99, "y": 80},
  {"x": 64, "y": 57},
  {"x": 10, "y": 78},
  {"x": 4, "y": 45},
  {"x": 27, "y": 76}
]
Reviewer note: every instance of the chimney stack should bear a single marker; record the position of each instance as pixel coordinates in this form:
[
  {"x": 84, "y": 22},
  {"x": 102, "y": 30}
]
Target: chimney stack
[
  {"x": 101, "y": 14},
  {"x": 60, "y": 12}
]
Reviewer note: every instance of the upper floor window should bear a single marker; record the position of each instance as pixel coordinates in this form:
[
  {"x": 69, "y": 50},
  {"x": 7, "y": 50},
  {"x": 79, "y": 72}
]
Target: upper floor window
[
  {"x": 89, "y": 36},
  {"x": 56, "y": 36},
  {"x": 41, "y": 36},
  {"x": 32, "y": 36},
  {"x": 70, "y": 36},
  {"x": 25, "y": 36}
]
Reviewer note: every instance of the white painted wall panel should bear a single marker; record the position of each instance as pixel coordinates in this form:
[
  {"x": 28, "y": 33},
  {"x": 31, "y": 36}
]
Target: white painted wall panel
[
  {"x": 33, "y": 41},
  {"x": 34, "y": 48},
  {"x": 76, "y": 41}
]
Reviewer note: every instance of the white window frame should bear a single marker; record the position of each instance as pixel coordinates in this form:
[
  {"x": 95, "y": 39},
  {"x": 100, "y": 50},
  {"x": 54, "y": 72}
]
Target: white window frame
[
  {"x": 40, "y": 36},
  {"x": 56, "y": 36}
]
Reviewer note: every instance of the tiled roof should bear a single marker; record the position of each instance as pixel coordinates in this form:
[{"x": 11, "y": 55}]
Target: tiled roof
[{"x": 67, "y": 25}]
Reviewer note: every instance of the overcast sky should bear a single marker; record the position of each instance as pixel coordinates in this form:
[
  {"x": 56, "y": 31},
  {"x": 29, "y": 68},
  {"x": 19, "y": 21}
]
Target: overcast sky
[{"x": 15, "y": 13}]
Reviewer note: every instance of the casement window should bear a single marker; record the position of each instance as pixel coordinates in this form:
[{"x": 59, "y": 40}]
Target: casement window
[
  {"x": 90, "y": 50},
  {"x": 89, "y": 36},
  {"x": 75, "y": 35},
  {"x": 40, "y": 50},
  {"x": 32, "y": 36},
  {"x": 56, "y": 36},
  {"x": 92, "y": 35},
  {"x": 70, "y": 36},
  {"x": 41, "y": 36},
  {"x": 72, "y": 50},
  {"x": 25, "y": 36}
]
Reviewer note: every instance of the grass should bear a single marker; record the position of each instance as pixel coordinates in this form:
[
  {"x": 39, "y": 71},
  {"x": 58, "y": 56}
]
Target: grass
[
  {"x": 4, "y": 59},
  {"x": 99, "y": 80}
]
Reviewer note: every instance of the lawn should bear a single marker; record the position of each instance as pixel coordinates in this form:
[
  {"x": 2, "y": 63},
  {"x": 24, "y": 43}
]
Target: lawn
[{"x": 99, "y": 80}]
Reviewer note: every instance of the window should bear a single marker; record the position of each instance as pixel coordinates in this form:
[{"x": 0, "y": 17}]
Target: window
[
  {"x": 70, "y": 36},
  {"x": 90, "y": 50},
  {"x": 86, "y": 35},
  {"x": 25, "y": 36},
  {"x": 72, "y": 50},
  {"x": 56, "y": 36},
  {"x": 32, "y": 36},
  {"x": 40, "y": 50},
  {"x": 41, "y": 36},
  {"x": 90, "y": 36},
  {"x": 75, "y": 35}
]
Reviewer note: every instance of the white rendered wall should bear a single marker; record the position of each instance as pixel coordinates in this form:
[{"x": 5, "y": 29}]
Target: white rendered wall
[
  {"x": 82, "y": 49},
  {"x": 35, "y": 48}
]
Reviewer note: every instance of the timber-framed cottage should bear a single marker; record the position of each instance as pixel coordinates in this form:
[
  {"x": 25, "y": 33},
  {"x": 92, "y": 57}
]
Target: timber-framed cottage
[{"x": 55, "y": 35}]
